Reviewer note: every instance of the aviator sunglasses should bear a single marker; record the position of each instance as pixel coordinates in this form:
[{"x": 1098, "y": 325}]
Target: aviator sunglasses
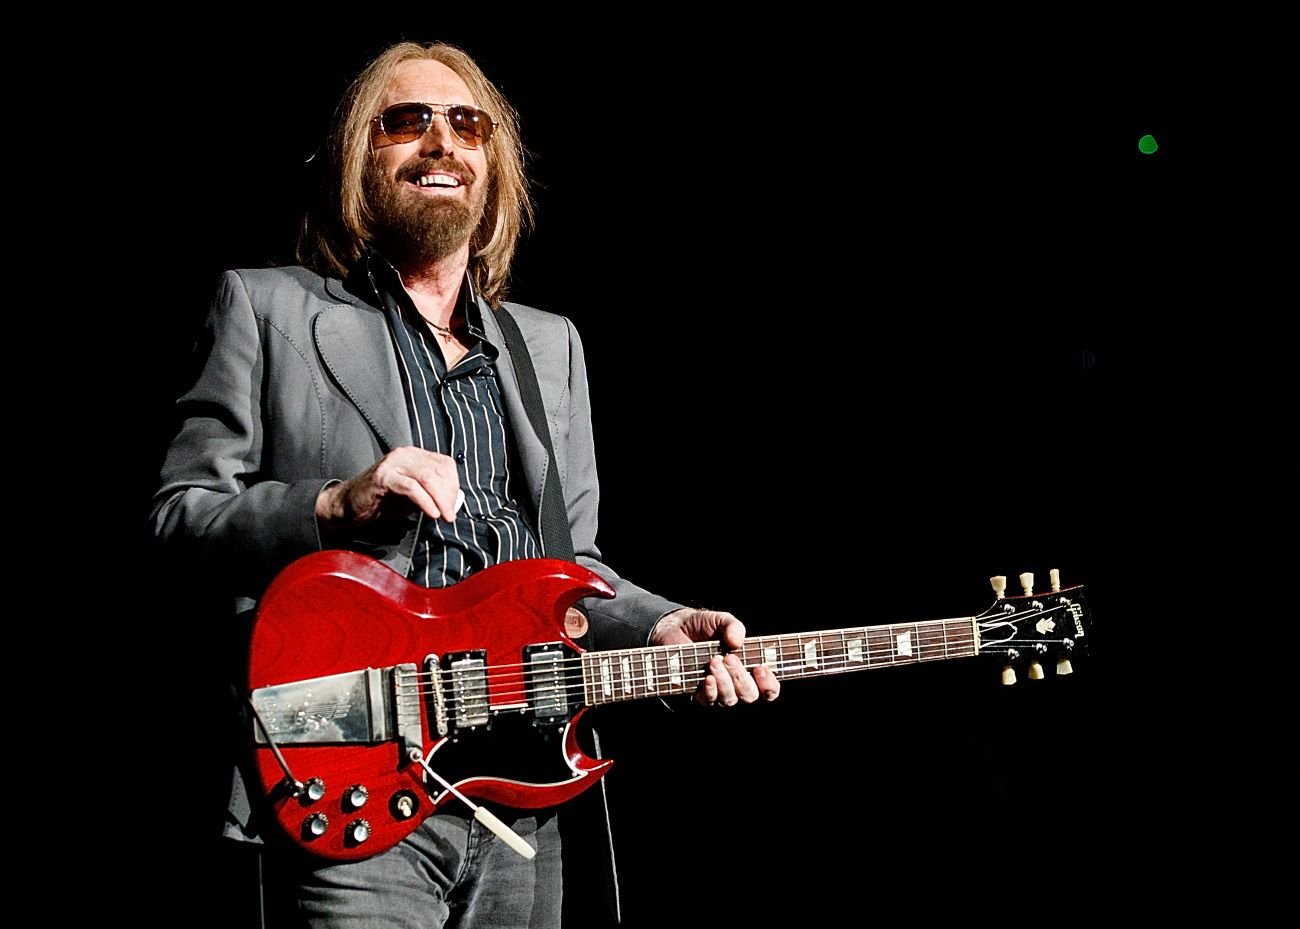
[{"x": 406, "y": 122}]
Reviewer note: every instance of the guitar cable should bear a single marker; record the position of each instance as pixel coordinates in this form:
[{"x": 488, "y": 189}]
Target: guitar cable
[
  {"x": 297, "y": 785},
  {"x": 482, "y": 814}
]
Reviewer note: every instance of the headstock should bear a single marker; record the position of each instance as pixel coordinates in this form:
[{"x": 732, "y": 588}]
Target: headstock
[{"x": 1032, "y": 626}]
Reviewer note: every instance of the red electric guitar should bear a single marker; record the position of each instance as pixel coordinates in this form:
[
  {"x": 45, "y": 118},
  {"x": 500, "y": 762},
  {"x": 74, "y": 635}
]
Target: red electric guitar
[{"x": 376, "y": 700}]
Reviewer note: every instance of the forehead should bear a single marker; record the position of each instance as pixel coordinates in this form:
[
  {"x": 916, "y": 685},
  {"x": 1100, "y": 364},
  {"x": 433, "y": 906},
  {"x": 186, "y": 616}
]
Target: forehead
[{"x": 428, "y": 82}]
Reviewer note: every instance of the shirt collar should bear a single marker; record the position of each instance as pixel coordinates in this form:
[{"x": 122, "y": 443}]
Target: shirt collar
[{"x": 387, "y": 285}]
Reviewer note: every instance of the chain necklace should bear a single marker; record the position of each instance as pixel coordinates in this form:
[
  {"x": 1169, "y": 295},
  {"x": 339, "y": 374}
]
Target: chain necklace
[{"x": 447, "y": 333}]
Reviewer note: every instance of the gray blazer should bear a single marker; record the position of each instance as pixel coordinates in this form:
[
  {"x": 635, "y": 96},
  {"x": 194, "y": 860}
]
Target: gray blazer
[{"x": 297, "y": 385}]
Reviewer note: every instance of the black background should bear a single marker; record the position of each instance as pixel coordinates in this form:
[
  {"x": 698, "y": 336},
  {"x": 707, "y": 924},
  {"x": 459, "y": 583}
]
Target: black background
[{"x": 877, "y": 303}]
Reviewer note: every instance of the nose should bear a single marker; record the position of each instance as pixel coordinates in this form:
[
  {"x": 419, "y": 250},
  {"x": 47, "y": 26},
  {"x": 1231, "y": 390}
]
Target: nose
[{"x": 439, "y": 138}]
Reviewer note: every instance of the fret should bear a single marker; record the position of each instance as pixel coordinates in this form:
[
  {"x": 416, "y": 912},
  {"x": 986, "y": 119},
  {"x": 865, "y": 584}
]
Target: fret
[
  {"x": 833, "y": 651},
  {"x": 930, "y": 642},
  {"x": 667, "y": 670},
  {"x": 697, "y": 668},
  {"x": 880, "y": 646},
  {"x": 837, "y": 650},
  {"x": 660, "y": 663}
]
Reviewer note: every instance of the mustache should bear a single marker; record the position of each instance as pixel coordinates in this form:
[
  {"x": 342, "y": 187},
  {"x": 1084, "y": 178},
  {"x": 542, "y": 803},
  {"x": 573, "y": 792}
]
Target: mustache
[{"x": 417, "y": 169}]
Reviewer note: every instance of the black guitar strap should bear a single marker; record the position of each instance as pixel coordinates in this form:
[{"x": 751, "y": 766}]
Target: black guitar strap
[
  {"x": 553, "y": 519},
  {"x": 558, "y": 543}
]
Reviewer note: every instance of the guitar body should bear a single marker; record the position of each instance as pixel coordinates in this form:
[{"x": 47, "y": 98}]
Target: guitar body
[{"x": 357, "y": 674}]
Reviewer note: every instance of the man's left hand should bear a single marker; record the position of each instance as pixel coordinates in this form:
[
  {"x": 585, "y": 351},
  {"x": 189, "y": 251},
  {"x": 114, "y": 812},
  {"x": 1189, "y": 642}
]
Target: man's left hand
[{"x": 728, "y": 681}]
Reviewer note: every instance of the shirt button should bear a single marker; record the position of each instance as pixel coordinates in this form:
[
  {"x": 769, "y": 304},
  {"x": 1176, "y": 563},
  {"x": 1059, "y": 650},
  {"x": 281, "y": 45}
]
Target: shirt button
[{"x": 460, "y": 456}]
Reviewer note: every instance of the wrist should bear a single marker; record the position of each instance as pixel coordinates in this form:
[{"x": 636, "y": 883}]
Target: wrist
[
  {"x": 669, "y": 622},
  {"x": 329, "y": 503}
]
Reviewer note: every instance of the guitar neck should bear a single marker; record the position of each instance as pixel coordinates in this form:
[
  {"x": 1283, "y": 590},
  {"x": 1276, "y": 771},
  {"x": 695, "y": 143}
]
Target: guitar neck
[{"x": 667, "y": 670}]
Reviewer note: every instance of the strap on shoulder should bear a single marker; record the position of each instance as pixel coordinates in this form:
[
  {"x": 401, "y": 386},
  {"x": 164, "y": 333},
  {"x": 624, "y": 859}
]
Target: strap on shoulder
[{"x": 554, "y": 518}]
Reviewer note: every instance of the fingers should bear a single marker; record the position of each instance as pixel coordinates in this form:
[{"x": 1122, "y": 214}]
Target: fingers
[
  {"x": 769, "y": 687},
  {"x": 428, "y": 480},
  {"x": 695, "y": 625},
  {"x": 732, "y": 631},
  {"x": 707, "y": 693},
  {"x": 729, "y": 682}
]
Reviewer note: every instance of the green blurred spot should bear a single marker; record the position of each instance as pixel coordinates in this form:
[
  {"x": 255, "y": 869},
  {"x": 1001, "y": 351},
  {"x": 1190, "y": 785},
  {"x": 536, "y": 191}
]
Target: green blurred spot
[{"x": 1147, "y": 144}]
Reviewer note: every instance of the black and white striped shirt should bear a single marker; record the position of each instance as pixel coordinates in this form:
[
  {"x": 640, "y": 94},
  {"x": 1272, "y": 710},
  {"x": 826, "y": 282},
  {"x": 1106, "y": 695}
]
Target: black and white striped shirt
[{"x": 458, "y": 413}]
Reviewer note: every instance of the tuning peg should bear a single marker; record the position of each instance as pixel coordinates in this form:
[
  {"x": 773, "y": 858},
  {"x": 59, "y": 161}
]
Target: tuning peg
[
  {"x": 1008, "y": 675},
  {"x": 1027, "y": 582},
  {"x": 999, "y": 585},
  {"x": 1063, "y": 666},
  {"x": 1035, "y": 671},
  {"x": 1055, "y": 575}
]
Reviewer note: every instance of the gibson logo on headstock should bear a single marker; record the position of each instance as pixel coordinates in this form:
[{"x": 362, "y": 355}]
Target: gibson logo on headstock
[{"x": 1076, "y": 611}]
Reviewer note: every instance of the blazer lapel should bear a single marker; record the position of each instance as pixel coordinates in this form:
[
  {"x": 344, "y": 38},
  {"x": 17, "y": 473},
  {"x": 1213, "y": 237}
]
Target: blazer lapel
[{"x": 355, "y": 346}]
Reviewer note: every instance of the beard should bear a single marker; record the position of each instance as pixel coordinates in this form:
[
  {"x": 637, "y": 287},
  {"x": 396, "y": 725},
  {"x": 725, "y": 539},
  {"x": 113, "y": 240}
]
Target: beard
[{"x": 412, "y": 229}]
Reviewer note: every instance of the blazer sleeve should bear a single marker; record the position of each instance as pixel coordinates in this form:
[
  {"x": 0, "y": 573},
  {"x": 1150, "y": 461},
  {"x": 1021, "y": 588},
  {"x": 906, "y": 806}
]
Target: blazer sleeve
[{"x": 215, "y": 507}]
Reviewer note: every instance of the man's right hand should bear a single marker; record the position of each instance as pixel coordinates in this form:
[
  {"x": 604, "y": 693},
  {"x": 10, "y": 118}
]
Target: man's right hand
[{"x": 404, "y": 480}]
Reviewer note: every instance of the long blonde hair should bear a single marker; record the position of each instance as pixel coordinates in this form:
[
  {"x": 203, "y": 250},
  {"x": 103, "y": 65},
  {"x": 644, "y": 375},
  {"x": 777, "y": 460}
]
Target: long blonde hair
[{"x": 339, "y": 224}]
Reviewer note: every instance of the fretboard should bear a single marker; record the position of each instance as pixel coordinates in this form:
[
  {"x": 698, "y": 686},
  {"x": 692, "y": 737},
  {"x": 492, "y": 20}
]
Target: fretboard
[{"x": 666, "y": 670}]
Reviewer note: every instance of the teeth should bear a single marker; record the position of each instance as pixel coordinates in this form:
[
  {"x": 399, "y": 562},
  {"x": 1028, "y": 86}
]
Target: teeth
[{"x": 438, "y": 180}]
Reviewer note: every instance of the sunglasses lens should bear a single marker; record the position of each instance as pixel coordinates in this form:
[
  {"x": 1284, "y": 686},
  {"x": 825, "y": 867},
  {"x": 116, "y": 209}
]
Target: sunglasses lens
[
  {"x": 406, "y": 122},
  {"x": 471, "y": 125}
]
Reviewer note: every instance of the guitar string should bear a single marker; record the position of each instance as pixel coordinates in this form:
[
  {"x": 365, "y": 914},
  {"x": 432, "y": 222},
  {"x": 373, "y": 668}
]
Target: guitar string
[
  {"x": 945, "y": 642},
  {"x": 516, "y": 673},
  {"x": 664, "y": 667},
  {"x": 678, "y": 684},
  {"x": 955, "y": 638}
]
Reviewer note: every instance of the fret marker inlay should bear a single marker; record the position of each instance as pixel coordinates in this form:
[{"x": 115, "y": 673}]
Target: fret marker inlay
[
  {"x": 675, "y": 669},
  {"x": 810, "y": 655},
  {"x": 903, "y": 644}
]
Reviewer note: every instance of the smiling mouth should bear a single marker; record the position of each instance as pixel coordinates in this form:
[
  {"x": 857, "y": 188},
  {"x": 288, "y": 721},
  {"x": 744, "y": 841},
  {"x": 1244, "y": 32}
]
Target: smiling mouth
[{"x": 445, "y": 181}]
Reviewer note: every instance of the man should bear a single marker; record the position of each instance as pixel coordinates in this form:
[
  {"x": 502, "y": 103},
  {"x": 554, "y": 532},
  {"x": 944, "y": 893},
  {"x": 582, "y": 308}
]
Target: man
[{"x": 374, "y": 399}]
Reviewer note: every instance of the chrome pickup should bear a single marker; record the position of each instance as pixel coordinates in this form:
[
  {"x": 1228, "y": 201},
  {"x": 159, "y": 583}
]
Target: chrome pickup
[
  {"x": 546, "y": 671},
  {"x": 466, "y": 676},
  {"x": 367, "y": 706}
]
